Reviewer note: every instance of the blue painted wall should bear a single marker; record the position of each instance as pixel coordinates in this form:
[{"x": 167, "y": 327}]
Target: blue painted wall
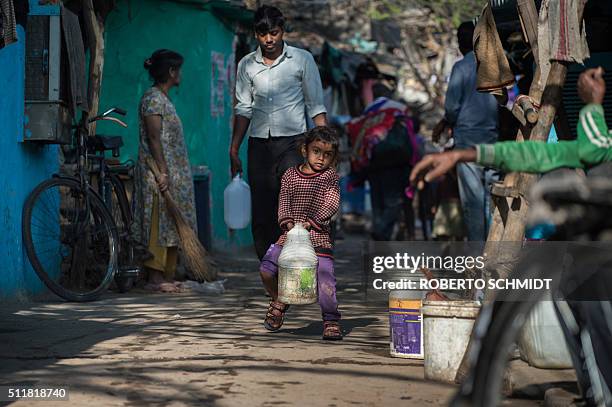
[{"x": 22, "y": 167}]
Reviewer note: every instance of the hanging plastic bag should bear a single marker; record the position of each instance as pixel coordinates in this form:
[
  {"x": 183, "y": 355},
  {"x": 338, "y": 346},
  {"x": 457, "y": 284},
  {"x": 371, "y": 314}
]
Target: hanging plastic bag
[
  {"x": 297, "y": 268},
  {"x": 237, "y": 204}
]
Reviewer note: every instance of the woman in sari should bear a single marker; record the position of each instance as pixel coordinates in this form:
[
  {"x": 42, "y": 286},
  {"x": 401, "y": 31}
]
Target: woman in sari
[{"x": 161, "y": 138}]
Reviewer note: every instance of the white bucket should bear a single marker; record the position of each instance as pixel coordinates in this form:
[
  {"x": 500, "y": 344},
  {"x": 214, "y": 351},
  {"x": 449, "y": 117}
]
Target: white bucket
[
  {"x": 447, "y": 327},
  {"x": 541, "y": 340},
  {"x": 406, "y": 323}
]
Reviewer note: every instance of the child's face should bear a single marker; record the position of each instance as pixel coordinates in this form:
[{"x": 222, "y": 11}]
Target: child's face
[{"x": 319, "y": 155}]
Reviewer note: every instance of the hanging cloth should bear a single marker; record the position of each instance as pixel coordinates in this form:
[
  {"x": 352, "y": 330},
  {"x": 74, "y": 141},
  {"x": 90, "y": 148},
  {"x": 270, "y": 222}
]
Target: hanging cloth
[
  {"x": 561, "y": 37},
  {"x": 493, "y": 70},
  {"x": 8, "y": 25}
]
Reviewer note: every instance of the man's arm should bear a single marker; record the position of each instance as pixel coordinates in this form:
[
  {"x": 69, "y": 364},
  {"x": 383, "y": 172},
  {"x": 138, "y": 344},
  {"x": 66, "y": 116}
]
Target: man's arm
[
  {"x": 242, "y": 119},
  {"x": 452, "y": 104},
  {"x": 241, "y": 124},
  {"x": 313, "y": 91},
  {"x": 320, "y": 119},
  {"x": 592, "y": 146},
  {"x": 529, "y": 156},
  {"x": 454, "y": 96}
]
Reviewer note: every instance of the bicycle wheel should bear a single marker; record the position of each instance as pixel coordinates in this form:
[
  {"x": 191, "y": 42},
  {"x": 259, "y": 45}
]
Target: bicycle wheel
[
  {"x": 120, "y": 206},
  {"x": 495, "y": 330},
  {"x": 485, "y": 386},
  {"x": 70, "y": 239},
  {"x": 122, "y": 214}
]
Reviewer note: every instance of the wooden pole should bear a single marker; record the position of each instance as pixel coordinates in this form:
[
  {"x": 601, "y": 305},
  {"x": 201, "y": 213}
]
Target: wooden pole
[
  {"x": 511, "y": 207},
  {"x": 95, "y": 37},
  {"x": 528, "y": 15},
  {"x": 516, "y": 185}
]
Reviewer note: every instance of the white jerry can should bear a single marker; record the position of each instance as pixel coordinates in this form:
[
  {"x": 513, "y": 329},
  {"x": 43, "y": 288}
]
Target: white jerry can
[
  {"x": 237, "y": 204},
  {"x": 297, "y": 269}
]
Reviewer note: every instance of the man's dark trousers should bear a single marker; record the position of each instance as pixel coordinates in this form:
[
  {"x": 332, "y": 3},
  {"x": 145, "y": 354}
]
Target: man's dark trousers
[
  {"x": 388, "y": 199},
  {"x": 268, "y": 159}
]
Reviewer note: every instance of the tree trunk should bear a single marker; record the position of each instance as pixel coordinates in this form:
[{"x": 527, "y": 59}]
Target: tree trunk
[{"x": 95, "y": 38}]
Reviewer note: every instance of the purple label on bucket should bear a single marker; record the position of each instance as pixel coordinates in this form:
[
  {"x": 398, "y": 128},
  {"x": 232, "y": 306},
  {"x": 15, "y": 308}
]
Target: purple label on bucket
[{"x": 406, "y": 333}]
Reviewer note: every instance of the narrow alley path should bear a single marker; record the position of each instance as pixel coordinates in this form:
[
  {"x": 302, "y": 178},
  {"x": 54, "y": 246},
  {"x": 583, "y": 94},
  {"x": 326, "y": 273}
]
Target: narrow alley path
[{"x": 188, "y": 349}]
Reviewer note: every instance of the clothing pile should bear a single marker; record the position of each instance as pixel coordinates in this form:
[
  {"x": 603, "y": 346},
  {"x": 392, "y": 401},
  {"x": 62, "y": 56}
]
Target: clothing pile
[{"x": 373, "y": 128}]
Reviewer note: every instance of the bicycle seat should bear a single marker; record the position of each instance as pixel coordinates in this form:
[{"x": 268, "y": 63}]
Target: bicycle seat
[
  {"x": 109, "y": 142},
  {"x": 105, "y": 143}
]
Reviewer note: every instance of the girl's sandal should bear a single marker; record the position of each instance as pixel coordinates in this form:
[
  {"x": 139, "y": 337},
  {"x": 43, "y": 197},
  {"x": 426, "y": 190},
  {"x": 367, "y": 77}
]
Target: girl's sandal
[
  {"x": 332, "y": 331},
  {"x": 275, "y": 316}
]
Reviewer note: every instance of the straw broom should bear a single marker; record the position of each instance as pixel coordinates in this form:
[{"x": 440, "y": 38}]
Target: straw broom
[{"x": 196, "y": 257}]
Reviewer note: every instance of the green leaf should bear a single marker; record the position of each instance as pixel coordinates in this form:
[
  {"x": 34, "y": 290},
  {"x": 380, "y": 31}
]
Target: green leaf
[{"x": 307, "y": 277}]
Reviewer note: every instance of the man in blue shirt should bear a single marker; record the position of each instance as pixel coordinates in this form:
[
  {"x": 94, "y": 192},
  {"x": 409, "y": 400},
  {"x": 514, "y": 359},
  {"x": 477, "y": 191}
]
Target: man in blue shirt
[{"x": 473, "y": 118}]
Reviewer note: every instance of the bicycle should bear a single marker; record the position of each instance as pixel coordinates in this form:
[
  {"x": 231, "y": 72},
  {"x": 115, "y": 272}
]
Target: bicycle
[
  {"x": 579, "y": 208},
  {"x": 107, "y": 178},
  {"x": 74, "y": 234}
]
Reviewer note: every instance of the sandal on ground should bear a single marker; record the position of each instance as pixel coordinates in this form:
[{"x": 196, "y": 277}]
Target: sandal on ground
[
  {"x": 275, "y": 316},
  {"x": 332, "y": 331}
]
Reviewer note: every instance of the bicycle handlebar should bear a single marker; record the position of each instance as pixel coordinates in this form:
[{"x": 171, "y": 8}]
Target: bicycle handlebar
[
  {"x": 105, "y": 116},
  {"x": 114, "y": 119}
]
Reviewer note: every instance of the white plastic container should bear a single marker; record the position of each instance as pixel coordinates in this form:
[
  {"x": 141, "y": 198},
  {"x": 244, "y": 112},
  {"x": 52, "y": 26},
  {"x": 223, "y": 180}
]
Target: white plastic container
[
  {"x": 541, "y": 340},
  {"x": 297, "y": 269},
  {"x": 447, "y": 326},
  {"x": 237, "y": 204}
]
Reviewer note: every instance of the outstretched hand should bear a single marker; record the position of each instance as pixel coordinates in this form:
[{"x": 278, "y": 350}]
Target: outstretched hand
[{"x": 434, "y": 166}]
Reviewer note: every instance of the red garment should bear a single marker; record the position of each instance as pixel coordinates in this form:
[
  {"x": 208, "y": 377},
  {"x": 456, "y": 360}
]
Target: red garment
[
  {"x": 312, "y": 198},
  {"x": 366, "y": 131}
]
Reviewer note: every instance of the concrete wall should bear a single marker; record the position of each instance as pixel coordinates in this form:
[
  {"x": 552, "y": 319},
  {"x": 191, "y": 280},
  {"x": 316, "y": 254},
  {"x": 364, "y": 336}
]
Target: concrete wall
[
  {"x": 22, "y": 167},
  {"x": 194, "y": 33}
]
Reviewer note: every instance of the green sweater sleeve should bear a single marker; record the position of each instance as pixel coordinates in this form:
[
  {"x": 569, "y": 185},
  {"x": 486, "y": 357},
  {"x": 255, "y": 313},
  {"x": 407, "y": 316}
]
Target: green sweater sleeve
[{"x": 591, "y": 147}]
